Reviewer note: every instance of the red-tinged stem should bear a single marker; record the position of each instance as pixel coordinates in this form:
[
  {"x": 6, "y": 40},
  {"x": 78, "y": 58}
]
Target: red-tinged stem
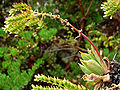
[
  {"x": 67, "y": 23},
  {"x": 87, "y": 39}
]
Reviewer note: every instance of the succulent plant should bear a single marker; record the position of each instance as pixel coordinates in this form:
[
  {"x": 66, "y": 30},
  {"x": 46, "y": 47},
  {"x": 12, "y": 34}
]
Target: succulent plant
[
  {"x": 100, "y": 72},
  {"x": 91, "y": 63}
]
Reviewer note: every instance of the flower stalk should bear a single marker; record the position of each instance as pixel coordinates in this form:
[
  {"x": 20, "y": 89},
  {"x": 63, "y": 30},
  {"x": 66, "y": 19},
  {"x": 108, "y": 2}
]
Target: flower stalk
[
  {"x": 86, "y": 38},
  {"x": 68, "y": 24}
]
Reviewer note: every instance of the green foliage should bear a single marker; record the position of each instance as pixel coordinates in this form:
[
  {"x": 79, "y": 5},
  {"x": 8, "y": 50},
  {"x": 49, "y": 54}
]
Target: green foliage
[
  {"x": 26, "y": 50},
  {"x": 35, "y": 49},
  {"x": 47, "y": 34},
  {"x": 2, "y": 33},
  {"x": 108, "y": 41},
  {"x": 61, "y": 84},
  {"x": 94, "y": 15},
  {"x": 15, "y": 78},
  {"x": 110, "y": 54},
  {"x": 27, "y": 35},
  {"x": 43, "y": 88},
  {"x": 25, "y": 17},
  {"x": 13, "y": 52},
  {"x": 14, "y": 58},
  {"x": 110, "y": 7}
]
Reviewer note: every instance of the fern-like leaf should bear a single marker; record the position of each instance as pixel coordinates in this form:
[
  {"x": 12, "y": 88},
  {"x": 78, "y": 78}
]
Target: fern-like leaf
[
  {"x": 65, "y": 84},
  {"x": 45, "y": 88},
  {"x": 20, "y": 16},
  {"x": 110, "y": 7}
]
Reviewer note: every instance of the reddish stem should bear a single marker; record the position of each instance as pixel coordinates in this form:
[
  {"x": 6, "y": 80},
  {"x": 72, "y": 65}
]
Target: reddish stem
[{"x": 87, "y": 39}]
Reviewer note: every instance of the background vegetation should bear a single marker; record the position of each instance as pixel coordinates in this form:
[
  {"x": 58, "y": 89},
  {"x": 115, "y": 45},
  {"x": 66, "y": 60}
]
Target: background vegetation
[{"x": 51, "y": 48}]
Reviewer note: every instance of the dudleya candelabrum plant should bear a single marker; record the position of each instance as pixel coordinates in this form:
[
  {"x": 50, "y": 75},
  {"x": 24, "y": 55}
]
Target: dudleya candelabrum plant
[
  {"x": 92, "y": 63},
  {"x": 96, "y": 68},
  {"x": 110, "y": 7}
]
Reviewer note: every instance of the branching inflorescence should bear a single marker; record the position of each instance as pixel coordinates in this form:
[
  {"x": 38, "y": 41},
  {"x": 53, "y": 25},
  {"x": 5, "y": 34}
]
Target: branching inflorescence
[{"x": 28, "y": 17}]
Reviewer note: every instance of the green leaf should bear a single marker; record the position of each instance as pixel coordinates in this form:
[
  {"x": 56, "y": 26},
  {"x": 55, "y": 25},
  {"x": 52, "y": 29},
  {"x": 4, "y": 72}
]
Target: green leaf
[
  {"x": 22, "y": 44},
  {"x": 15, "y": 88},
  {"x": 40, "y": 24},
  {"x": 102, "y": 37},
  {"x": 97, "y": 58},
  {"x": 13, "y": 51},
  {"x": 111, "y": 37},
  {"x": 84, "y": 69},
  {"x": 111, "y": 55},
  {"x": 7, "y": 56},
  {"x": 93, "y": 66},
  {"x": 2, "y": 50},
  {"x": 27, "y": 35},
  {"x": 5, "y": 64},
  {"x": 85, "y": 56},
  {"x": 105, "y": 52},
  {"x": 2, "y": 33},
  {"x": 25, "y": 83},
  {"x": 47, "y": 34}
]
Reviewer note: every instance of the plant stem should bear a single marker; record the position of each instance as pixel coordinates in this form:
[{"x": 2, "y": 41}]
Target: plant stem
[
  {"x": 87, "y": 39},
  {"x": 68, "y": 24}
]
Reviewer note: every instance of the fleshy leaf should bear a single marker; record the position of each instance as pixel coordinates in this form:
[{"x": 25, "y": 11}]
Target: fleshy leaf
[
  {"x": 95, "y": 54},
  {"x": 84, "y": 69},
  {"x": 100, "y": 61},
  {"x": 94, "y": 67},
  {"x": 85, "y": 56}
]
